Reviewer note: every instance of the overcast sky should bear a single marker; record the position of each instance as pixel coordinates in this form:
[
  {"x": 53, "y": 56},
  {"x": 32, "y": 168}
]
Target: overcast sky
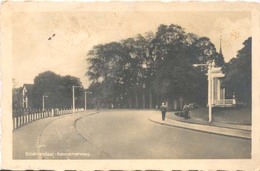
[{"x": 77, "y": 33}]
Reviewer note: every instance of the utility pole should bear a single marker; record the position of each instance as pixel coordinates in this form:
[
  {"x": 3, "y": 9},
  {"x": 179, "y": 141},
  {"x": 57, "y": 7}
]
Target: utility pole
[
  {"x": 73, "y": 98},
  {"x": 210, "y": 82}
]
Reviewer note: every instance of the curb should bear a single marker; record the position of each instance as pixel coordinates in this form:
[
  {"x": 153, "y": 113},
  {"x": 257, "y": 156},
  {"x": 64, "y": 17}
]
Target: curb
[
  {"x": 210, "y": 125},
  {"x": 214, "y": 125},
  {"x": 209, "y": 132}
]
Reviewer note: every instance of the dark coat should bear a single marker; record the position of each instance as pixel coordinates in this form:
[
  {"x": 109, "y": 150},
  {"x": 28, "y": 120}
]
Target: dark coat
[{"x": 163, "y": 108}]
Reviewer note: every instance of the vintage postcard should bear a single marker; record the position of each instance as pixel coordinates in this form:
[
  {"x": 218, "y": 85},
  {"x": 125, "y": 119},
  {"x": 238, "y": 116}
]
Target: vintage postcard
[{"x": 130, "y": 85}]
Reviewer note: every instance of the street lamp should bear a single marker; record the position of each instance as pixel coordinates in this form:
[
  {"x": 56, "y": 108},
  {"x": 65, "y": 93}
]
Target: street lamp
[
  {"x": 209, "y": 65},
  {"x": 86, "y": 98},
  {"x": 73, "y": 98},
  {"x": 43, "y": 104}
]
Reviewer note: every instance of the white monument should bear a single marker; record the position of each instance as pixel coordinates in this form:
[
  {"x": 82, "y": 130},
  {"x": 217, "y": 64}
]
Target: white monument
[{"x": 216, "y": 94}]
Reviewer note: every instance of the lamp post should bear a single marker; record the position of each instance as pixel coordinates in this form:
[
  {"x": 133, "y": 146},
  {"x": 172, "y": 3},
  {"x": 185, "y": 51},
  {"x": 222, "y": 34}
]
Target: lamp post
[
  {"x": 86, "y": 98},
  {"x": 73, "y": 98},
  {"x": 209, "y": 65},
  {"x": 43, "y": 104}
]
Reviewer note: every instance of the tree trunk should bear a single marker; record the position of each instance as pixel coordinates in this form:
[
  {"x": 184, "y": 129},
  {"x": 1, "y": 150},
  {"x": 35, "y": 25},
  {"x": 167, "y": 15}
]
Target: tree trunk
[
  {"x": 143, "y": 99},
  {"x": 151, "y": 98},
  {"x": 130, "y": 103},
  {"x": 136, "y": 100}
]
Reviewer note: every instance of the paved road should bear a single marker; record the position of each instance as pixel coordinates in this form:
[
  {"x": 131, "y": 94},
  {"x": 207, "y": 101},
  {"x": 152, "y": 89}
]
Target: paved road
[{"x": 121, "y": 134}]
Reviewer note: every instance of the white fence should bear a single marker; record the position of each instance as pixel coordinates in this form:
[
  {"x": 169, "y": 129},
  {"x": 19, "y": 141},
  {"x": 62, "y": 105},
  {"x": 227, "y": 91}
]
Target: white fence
[
  {"x": 29, "y": 117},
  {"x": 225, "y": 102}
]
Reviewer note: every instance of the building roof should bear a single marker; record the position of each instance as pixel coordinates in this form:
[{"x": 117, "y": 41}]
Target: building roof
[{"x": 28, "y": 86}]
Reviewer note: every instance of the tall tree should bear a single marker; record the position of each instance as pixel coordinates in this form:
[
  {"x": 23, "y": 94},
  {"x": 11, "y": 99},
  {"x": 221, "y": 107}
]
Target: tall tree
[
  {"x": 133, "y": 70},
  {"x": 108, "y": 66},
  {"x": 174, "y": 56},
  {"x": 238, "y": 74},
  {"x": 57, "y": 88}
]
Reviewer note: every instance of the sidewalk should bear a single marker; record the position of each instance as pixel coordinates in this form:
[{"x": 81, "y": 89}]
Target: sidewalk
[{"x": 239, "y": 131}]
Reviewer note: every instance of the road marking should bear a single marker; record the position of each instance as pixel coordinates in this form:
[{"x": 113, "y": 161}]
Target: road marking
[
  {"x": 84, "y": 138},
  {"x": 38, "y": 141}
]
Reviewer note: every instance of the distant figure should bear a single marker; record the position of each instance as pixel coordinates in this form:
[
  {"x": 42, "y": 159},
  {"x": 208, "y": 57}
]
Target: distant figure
[
  {"x": 163, "y": 110},
  {"x": 186, "y": 110}
]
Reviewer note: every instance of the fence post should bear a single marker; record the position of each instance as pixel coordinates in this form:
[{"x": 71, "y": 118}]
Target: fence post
[
  {"x": 21, "y": 121},
  {"x": 13, "y": 123},
  {"x": 18, "y": 121},
  {"x": 22, "y": 118}
]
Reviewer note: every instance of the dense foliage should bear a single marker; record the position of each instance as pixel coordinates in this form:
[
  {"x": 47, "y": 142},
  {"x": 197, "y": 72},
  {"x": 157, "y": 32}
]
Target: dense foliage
[
  {"x": 238, "y": 74},
  {"x": 58, "y": 89},
  {"x": 143, "y": 71}
]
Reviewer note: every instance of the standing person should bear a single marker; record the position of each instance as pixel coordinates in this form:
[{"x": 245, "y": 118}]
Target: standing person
[
  {"x": 186, "y": 110},
  {"x": 163, "y": 110}
]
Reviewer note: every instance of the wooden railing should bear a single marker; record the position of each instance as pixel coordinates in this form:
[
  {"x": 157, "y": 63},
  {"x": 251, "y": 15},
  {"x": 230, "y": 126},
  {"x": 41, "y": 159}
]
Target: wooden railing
[{"x": 27, "y": 116}]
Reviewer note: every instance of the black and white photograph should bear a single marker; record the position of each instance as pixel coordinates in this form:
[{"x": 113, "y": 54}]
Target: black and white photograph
[{"x": 131, "y": 83}]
